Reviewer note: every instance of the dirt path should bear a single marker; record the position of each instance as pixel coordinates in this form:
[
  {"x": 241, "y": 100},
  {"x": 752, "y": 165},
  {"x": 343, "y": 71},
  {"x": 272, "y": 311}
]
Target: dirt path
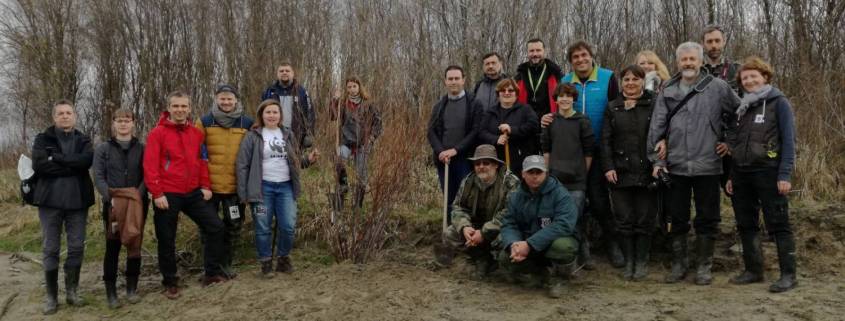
[{"x": 389, "y": 290}]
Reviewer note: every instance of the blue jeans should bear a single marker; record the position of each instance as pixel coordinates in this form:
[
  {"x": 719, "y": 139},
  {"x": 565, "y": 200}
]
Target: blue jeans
[{"x": 278, "y": 203}]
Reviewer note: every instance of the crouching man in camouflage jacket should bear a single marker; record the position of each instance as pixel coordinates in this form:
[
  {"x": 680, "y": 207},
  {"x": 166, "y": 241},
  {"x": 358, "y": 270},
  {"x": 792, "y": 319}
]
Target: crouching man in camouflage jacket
[{"x": 478, "y": 209}]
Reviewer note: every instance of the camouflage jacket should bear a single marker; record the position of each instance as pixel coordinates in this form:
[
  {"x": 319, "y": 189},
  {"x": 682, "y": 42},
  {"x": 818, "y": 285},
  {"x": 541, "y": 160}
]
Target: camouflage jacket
[{"x": 482, "y": 206}]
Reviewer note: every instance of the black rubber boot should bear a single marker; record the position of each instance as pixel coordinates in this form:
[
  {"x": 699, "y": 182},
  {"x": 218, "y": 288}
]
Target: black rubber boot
[
  {"x": 584, "y": 257},
  {"x": 559, "y": 274},
  {"x": 786, "y": 260},
  {"x": 51, "y": 303},
  {"x": 628, "y": 252},
  {"x": 752, "y": 257},
  {"x": 642, "y": 247},
  {"x": 111, "y": 294},
  {"x": 233, "y": 235},
  {"x": 680, "y": 262},
  {"x": 614, "y": 253},
  {"x": 72, "y": 284},
  {"x": 704, "y": 259},
  {"x": 132, "y": 290}
]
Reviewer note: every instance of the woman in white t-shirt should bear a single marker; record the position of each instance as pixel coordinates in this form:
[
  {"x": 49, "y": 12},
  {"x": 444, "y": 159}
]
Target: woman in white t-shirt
[{"x": 268, "y": 179}]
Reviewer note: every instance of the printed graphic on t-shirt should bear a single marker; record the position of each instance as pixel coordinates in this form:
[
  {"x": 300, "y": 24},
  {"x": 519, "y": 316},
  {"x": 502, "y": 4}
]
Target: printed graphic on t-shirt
[{"x": 277, "y": 148}]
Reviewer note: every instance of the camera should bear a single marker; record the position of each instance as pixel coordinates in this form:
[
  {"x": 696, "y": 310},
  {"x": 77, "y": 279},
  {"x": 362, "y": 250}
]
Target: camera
[{"x": 662, "y": 180}]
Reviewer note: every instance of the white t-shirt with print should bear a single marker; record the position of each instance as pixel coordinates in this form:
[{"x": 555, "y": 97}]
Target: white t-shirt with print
[{"x": 275, "y": 161}]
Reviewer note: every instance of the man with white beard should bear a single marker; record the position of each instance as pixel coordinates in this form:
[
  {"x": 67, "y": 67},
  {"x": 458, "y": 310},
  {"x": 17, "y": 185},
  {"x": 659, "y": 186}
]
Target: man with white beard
[{"x": 688, "y": 118}]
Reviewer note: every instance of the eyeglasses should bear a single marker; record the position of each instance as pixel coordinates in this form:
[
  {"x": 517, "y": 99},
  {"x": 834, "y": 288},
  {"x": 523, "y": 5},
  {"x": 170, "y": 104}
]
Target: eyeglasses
[{"x": 507, "y": 90}]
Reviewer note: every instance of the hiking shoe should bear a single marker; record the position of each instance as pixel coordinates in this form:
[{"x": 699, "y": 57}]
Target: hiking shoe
[
  {"x": 284, "y": 265},
  {"x": 172, "y": 292},
  {"x": 209, "y": 280},
  {"x": 267, "y": 269}
]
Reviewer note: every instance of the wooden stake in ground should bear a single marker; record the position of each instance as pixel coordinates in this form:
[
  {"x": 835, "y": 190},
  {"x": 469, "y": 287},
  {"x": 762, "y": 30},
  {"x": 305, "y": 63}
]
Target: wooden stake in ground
[
  {"x": 445, "y": 196},
  {"x": 443, "y": 252},
  {"x": 507, "y": 156}
]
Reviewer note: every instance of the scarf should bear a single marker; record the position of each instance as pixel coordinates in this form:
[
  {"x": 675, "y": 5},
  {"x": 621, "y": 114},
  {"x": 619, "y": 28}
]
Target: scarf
[
  {"x": 750, "y": 98},
  {"x": 355, "y": 99},
  {"x": 225, "y": 119}
]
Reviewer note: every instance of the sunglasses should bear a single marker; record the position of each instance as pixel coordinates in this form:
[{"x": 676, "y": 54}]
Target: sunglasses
[{"x": 484, "y": 163}]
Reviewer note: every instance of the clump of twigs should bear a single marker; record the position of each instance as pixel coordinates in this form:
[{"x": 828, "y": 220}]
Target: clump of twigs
[{"x": 360, "y": 231}]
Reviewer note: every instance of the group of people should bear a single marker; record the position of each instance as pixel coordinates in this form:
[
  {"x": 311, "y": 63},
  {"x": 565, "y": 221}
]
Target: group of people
[
  {"x": 210, "y": 169},
  {"x": 617, "y": 148},
  {"x": 528, "y": 160}
]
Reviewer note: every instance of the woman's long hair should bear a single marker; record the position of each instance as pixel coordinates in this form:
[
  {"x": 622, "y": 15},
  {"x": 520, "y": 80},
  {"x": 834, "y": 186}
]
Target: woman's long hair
[
  {"x": 652, "y": 57},
  {"x": 362, "y": 91}
]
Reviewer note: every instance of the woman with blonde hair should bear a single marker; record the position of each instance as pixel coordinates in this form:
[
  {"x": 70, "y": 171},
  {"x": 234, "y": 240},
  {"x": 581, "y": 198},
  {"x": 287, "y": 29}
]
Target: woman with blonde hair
[{"x": 655, "y": 70}]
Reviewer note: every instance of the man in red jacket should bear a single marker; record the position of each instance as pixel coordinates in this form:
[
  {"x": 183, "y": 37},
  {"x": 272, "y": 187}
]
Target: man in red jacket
[{"x": 177, "y": 178}]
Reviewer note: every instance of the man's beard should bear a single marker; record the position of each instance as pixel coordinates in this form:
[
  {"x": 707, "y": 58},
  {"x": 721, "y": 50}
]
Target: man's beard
[
  {"x": 486, "y": 177},
  {"x": 714, "y": 54},
  {"x": 689, "y": 73}
]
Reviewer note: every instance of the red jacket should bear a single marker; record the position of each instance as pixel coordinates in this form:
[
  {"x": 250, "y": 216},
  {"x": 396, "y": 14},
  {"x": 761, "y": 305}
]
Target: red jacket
[
  {"x": 554, "y": 74},
  {"x": 523, "y": 93},
  {"x": 173, "y": 160}
]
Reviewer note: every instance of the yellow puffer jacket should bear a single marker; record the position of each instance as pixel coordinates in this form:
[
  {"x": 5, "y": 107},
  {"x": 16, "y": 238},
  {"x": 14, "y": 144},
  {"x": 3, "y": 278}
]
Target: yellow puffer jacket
[{"x": 221, "y": 149}]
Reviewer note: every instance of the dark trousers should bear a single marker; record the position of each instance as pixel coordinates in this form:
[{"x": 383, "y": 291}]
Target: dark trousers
[
  {"x": 53, "y": 222},
  {"x": 755, "y": 190},
  {"x": 635, "y": 209},
  {"x": 110, "y": 260},
  {"x": 705, "y": 191},
  {"x": 459, "y": 168},
  {"x": 233, "y": 219},
  {"x": 210, "y": 225},
  {"x": 598, "y": 198}
]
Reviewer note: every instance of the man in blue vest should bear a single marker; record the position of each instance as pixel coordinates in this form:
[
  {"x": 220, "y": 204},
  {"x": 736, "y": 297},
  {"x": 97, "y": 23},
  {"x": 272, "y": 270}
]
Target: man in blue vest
[{"x": 596, "y": 87}]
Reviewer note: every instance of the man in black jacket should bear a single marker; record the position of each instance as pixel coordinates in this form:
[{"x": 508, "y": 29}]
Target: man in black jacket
[
  {"x": 452, "y": 130},
  {"x": 61, "y": 158}
]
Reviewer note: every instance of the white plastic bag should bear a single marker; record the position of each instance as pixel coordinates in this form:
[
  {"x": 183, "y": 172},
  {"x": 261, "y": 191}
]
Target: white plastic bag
[{"x": 25, "y": 170}]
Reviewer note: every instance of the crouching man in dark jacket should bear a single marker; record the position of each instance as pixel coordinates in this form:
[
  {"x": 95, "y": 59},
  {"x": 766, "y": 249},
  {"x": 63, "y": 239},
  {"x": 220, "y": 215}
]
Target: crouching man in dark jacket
[
  {"x": 538, "y": 229},
  {"x": 61, "y": 158}
]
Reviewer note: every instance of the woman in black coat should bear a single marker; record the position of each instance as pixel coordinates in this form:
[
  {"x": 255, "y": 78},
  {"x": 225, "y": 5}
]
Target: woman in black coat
[
  {"x": 626, "y": 122},
  {"x": 511, "y": 125},
  {"x": 762, "y": 143}
]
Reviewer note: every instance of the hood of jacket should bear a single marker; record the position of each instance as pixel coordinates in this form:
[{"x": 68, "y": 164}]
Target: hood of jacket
[{"x": 553, "y": 69}]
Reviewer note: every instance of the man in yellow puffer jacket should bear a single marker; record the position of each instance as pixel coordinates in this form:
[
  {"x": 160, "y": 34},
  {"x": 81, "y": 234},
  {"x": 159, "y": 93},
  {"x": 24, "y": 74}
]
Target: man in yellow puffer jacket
[{"x": 224, "y": 126}]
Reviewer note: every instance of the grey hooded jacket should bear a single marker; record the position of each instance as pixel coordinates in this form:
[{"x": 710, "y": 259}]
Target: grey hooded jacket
[{"x": 695, "y": 129}]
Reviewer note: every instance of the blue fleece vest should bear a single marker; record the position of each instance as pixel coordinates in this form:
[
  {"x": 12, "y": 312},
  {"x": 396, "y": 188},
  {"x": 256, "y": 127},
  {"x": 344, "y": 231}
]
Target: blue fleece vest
[{"x": 592, "y": 96}]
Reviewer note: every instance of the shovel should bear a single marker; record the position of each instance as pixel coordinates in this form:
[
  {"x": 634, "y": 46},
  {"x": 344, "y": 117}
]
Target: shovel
[{"x": 443, "y": 252}]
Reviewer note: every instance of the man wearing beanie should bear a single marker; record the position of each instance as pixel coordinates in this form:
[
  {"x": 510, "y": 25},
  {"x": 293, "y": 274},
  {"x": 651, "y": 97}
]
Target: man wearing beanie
[{"x": 224, "y": 126}]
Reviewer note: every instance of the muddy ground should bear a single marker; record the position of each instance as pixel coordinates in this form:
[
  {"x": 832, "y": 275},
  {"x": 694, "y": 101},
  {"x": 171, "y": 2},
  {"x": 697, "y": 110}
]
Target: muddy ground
[{"x": 403, "y": 286}]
